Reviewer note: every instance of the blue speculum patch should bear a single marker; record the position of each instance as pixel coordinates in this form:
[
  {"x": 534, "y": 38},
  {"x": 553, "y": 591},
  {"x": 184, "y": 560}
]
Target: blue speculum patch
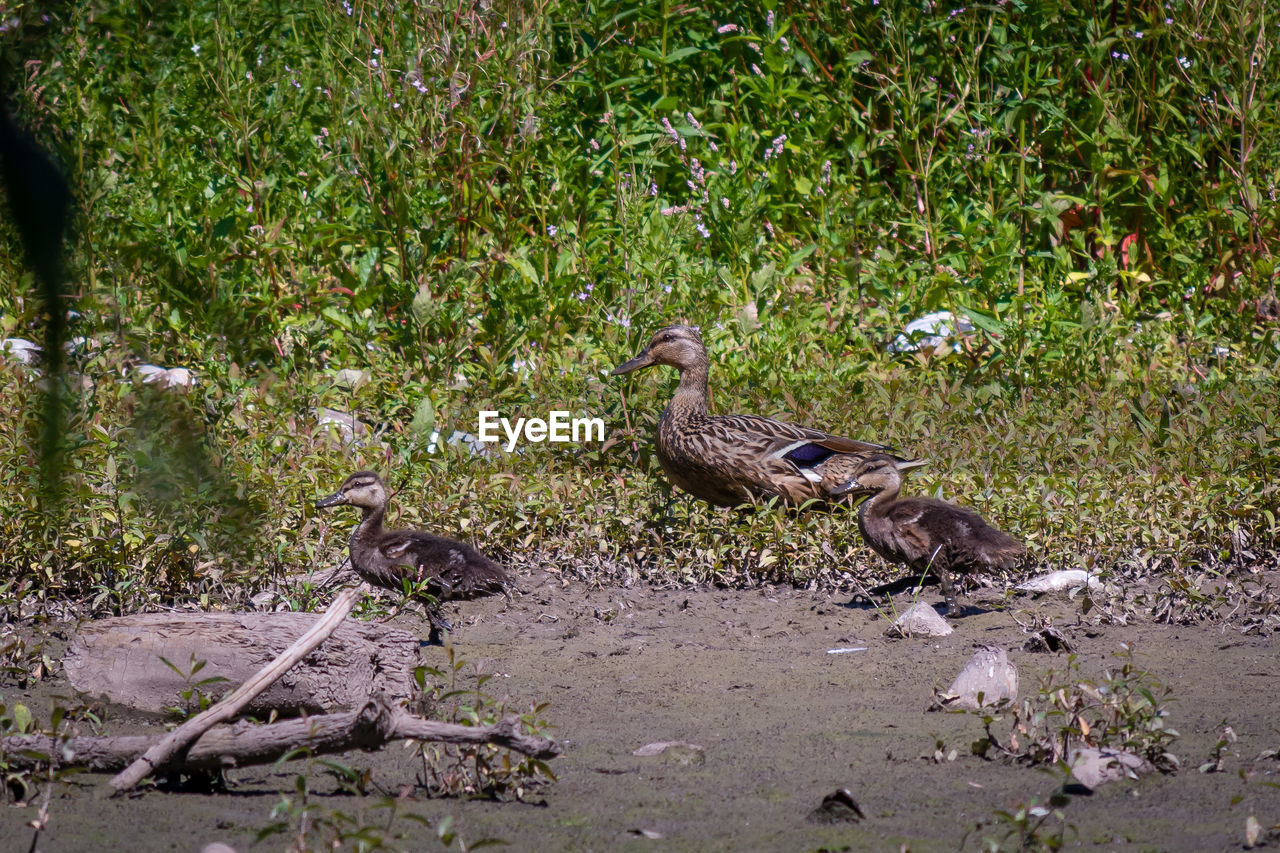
[{"x": 807, "y": 455}]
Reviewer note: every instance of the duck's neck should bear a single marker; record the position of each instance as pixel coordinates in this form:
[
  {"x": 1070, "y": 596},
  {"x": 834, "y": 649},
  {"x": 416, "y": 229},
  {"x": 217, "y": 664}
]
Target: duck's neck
[
  {"x": 878, "y": 504},
  {"x": 370, "y": 523},
  {"x": 691, "y": 399}
]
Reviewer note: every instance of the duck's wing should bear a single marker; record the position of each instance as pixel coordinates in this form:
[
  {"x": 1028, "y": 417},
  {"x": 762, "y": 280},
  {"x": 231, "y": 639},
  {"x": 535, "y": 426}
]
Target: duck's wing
[
  {"x": 454, "y": 569},
  {"x": 799, "y": 445},
  {"x": 404, "y": 547},
  {"x": 964, "y": 533},
  {"x": 784, "y": 458}
]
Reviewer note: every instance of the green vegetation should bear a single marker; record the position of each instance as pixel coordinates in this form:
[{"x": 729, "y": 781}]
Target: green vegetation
[
  {"x": 488, "y": 205},
  {"x": 1123, "y": 711}
]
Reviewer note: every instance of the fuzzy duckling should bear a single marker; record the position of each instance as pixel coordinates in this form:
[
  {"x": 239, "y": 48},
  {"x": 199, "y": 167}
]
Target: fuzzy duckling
[
  {"x": 387, "y": 558},
  {"x": 729, "y": 460},
  {"x": 924, "y": 533}
]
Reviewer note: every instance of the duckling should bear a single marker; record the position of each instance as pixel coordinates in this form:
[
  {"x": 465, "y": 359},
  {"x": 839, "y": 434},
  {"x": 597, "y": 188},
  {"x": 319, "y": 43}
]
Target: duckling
[
  {"x": 729, "y": 460},
  {"x": 387, "y": 558},
  {"x": 924, "y": 533}
]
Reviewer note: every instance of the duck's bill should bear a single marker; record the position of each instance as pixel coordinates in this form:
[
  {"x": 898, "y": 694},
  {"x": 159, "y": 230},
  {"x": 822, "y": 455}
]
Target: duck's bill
[
  {"x": 906, "y": 464},
  {"x": 852, "y": 487},
  {"x": 336, "y": 499},
  {"x": 642, "y": 360}
]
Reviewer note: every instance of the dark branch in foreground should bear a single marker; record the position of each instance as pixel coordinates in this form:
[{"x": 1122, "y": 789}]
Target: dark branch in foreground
[{"x": 244, "y": 744}]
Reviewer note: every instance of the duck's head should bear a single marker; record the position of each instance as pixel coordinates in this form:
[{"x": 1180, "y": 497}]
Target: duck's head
[
  {"x": 877, "y": 473},
  {"x": 678, "y": 346},
  {"x": 363, "y": 489}
]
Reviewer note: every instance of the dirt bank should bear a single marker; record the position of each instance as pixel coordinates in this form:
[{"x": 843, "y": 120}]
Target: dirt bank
[{"x": 747, "y": 676}]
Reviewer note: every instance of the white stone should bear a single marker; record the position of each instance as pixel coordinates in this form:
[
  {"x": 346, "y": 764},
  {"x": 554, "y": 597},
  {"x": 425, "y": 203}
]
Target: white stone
[
  {"x": 931, "y": 332},
  {"x": 166, "y": 377},
  {"x": 987, "y": 678},
  {"x": 919, "y": 620},
  {"x": 1066, "y": 579}
]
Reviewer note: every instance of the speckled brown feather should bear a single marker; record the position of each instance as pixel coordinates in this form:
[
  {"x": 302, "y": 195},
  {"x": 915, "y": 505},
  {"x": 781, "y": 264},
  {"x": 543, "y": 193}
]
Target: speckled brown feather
[{"x": 728, "y": 460}]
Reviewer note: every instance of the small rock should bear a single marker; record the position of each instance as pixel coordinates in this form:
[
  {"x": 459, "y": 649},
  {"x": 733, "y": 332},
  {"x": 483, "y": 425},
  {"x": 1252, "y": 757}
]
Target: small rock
[
  {"x": 21, "y": 351},
  {"x": 1047, "y": 640},
  {"x": 471, "y": 442},
  {"x": 838, "y": 807},
  {"x": 931, "y": 332},
  {"x": 1093, "y": 767},
  {"x": 474, "y": 445},
  {"x": 674, "y": 752},
  {"x": 166, "y": 377},
  {"x": 1067, "y": 579},
  {"x": 987, "y": 678},
  {"x": 217, "y": 847},
  {"x": 919, "y": 620},
  {"x": 350, "y": 377},
  {"x": 348, "y": 426},
  {"x": 1252, "y": 829}
]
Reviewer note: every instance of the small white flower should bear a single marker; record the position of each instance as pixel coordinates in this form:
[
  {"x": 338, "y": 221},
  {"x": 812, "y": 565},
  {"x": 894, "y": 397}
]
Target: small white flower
[
  {"x": 551, "y": 230},
  {"x": 195, "y": 48}
]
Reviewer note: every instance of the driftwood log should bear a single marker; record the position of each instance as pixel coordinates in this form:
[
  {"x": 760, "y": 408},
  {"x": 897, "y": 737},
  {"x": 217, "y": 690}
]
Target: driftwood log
[
  {"x": 242, "y": 744},
  {"x": 120, "y": 660},
  {"x": 160, "y": 753}
]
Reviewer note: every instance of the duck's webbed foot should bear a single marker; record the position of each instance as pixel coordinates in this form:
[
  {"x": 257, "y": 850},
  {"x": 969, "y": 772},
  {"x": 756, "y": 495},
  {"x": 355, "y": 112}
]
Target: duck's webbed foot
[
  {"x": 438, "y": 625},
  {"x": 948, "y": 591}
]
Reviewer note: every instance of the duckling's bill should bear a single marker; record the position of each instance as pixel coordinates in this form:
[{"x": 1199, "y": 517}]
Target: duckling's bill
[{"x": 335, "y": 499}]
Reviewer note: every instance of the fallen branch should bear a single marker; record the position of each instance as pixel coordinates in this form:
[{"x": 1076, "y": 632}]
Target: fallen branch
[
  {"x": 243, "y": 744},
  {"x": 165, "y": 748}
]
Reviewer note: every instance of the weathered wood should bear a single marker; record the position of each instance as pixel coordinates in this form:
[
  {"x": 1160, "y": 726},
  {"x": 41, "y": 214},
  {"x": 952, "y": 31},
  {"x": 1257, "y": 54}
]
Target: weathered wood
[
  {"x": 120, "y": 660},
  {"x": 233, "y": 703},
  {"x": 243, "y": 744}
]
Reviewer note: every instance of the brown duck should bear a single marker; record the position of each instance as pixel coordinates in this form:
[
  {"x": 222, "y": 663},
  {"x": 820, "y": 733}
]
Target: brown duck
[
  {"x": 924, "y": 533},
  {"x": 387, "y": 558},
  {"x": 729, "y": 460}
]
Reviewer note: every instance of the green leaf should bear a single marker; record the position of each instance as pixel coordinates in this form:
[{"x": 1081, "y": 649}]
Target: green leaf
[
  {"x": 424, "y": 419},
  {"x": 366, "y": 266}
]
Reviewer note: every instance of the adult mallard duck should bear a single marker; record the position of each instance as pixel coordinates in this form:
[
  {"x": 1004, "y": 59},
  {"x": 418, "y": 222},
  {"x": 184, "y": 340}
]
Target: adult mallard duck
[
  {"x": 729, "y": 460},
  {"x": 387, "y": 558},
  {"x": 924, "y": 533}
]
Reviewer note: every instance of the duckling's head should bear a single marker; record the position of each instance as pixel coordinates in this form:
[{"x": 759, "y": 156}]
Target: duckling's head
[
  {"x": 363, "y": 489},
  {"x": 877, "y": 473},
  {"x": 677, "y": 346}
]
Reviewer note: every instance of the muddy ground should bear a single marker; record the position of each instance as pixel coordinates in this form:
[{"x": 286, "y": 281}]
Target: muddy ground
[{"x": 748, "y": 676}]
